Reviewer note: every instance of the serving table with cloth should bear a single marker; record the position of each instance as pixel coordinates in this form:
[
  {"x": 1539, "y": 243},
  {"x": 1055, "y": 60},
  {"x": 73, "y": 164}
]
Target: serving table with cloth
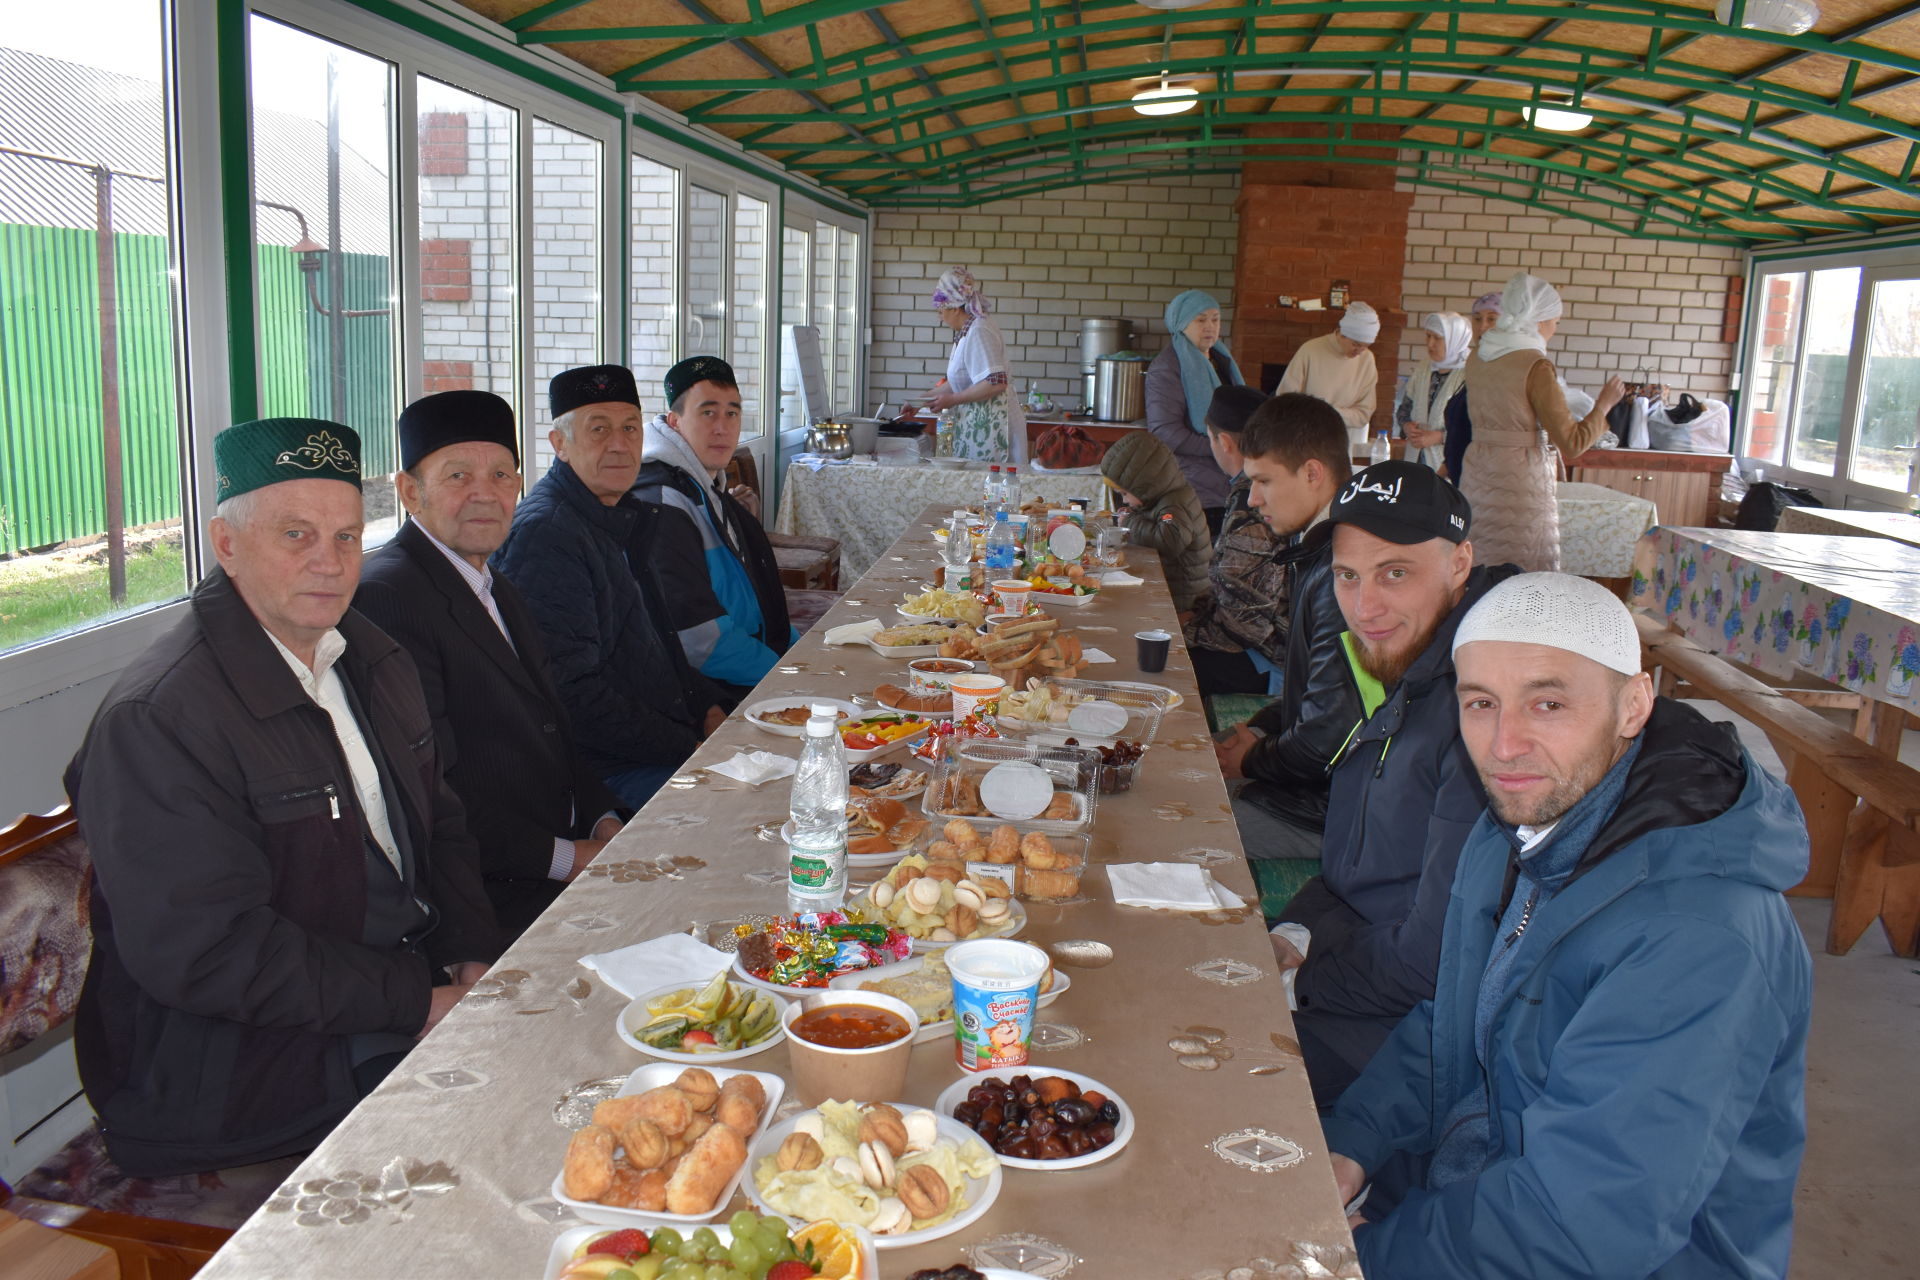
[
  {"x": 1599, "y": 529},
  {"x": 445, "y": 1170},
  {"x": 1897, "y": 525},
  {"x": 1844, "y": 609},
  {"x": 865, "y": 506}
]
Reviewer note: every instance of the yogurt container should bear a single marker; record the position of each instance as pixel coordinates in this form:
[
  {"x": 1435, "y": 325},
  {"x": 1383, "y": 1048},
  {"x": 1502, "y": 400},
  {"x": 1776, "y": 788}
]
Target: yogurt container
[
  {"x": 996, "y": 987},
  {"x": 976, "y": 693}
]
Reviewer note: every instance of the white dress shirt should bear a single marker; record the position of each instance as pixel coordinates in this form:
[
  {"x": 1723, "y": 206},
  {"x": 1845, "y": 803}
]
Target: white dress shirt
[{"x": 323, "y": 684}]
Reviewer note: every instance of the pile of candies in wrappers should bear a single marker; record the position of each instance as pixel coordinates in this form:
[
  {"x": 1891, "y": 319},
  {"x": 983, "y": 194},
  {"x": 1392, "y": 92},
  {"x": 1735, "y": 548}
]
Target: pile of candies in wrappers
[
  {"x": 933, "y": 745},
  {"x": 806, "y": 950}
]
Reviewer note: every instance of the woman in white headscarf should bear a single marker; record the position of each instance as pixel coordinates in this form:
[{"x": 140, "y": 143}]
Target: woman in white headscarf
[
  {"x": 988, "y": 425},
  {"x": 1520, "y": 416},
  {"x": 1437, "y": 378}
]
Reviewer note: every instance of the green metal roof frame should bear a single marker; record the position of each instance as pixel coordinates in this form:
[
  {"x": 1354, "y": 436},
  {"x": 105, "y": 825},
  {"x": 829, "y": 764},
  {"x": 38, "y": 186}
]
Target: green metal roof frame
[{"x": 1652, "y": 160}]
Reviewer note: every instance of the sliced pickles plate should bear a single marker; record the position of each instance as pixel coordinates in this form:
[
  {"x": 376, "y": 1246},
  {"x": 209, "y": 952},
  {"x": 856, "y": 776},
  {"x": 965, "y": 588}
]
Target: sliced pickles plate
[{"x": 732, "y": 1012}]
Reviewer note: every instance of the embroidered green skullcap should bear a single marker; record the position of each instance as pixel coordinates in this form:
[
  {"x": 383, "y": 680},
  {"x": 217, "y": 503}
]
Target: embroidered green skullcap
[{"x": 253, "y": 455}]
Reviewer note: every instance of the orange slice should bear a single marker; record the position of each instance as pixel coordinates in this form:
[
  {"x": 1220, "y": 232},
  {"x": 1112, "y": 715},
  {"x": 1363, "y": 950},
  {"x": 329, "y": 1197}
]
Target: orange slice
[{"x": 835, "y": 1250}]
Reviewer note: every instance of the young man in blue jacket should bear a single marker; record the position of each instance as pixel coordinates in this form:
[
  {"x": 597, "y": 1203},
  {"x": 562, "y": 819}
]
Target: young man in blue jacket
[
  {"x": 1609, "y": 1078},
  {"x": 723, "y": 585}
]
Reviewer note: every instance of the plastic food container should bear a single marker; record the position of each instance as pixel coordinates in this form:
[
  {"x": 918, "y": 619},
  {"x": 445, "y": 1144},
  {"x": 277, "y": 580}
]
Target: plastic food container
[
  {"x": 955, "y": 789},
  {"x": 1090, "y": 711}
]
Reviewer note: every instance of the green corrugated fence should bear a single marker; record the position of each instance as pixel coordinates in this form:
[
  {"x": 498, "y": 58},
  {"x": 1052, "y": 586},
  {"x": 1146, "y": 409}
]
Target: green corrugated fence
[{"x": 51, "y": 486}]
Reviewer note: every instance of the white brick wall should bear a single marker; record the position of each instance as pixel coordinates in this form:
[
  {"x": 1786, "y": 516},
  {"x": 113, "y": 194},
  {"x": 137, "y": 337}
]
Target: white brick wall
[
  {"x": 1632, "y": 306},
  {"x": 1047, "y": 262},
  {"x": 476, "y": 206},
  {"x": 566, "y": 261},
  {"x": 654, "y": 197}
]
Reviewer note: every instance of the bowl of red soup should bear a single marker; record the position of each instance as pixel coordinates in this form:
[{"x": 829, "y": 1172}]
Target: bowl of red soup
[{"x": 849, "y": 1045}]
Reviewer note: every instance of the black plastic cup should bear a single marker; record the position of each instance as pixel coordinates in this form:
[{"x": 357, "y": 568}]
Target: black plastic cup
[{"x": 1152, "y": 649}]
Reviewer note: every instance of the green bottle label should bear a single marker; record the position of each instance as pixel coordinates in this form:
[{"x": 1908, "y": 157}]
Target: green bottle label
[{"x": 809, "y": 868}]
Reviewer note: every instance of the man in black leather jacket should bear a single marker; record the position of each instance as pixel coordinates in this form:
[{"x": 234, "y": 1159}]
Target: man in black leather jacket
[{"x": 1295, "y": 448}]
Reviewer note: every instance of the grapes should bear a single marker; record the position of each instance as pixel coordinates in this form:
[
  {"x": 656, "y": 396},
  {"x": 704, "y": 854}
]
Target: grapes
[
  {"x": 774, "y": 1226},
  {"x": 745, "y": 1253},
  {"x": 668, "y": 1241},
  {"x": 705, "y": 1238},
  {"x": 742, "y": 1223}
]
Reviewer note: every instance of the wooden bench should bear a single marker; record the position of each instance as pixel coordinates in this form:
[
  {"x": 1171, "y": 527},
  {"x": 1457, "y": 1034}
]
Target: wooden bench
[{"x": 1862, "y": 805}]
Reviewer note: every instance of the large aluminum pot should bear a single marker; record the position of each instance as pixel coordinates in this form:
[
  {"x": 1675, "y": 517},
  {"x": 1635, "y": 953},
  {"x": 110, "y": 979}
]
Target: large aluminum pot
[
  {"x": 1120, "y": 387},
  {"x": 830, "y": 440}
]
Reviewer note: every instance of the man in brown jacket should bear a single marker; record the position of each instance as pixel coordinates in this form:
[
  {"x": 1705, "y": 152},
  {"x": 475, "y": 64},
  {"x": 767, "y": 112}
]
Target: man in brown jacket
[{"x": 283, "y": 884}]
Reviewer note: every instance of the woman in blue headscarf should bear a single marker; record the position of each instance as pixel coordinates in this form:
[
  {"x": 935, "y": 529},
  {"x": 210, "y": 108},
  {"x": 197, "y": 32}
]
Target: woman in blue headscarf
[{"x": 1180, "y": 386}]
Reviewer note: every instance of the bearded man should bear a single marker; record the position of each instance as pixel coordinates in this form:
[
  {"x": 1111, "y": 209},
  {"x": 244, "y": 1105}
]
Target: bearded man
[{"x": 1363, "y": 937}]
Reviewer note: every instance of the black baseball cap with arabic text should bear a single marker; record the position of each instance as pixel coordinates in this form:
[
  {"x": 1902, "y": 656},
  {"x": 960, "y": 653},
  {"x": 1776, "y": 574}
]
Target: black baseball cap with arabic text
[{"x": 1403, "y": 502}]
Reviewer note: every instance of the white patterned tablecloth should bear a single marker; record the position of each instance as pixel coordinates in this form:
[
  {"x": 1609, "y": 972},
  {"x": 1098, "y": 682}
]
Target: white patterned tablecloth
[
  {"x": 1599, "y": 528},
  {"x": 866, "y": 507},
  {"x": 1846, "y": 609},
  {"x": 1852, "y": 524}
]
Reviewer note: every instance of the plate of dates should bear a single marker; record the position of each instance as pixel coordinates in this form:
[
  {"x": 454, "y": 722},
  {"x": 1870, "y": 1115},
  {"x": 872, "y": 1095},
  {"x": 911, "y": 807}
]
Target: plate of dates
[{"x": 1040, "y": 1118}]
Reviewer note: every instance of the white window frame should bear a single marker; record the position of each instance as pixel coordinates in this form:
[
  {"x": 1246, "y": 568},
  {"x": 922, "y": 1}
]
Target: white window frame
[{"x": 1875, "y": 262}]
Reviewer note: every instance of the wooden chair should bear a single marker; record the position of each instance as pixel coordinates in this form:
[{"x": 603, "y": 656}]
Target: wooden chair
[
  {"x": 160, "y": 1227},
  {"x": 1861, "y": 804},
  {"x": 806, "y": 563}
]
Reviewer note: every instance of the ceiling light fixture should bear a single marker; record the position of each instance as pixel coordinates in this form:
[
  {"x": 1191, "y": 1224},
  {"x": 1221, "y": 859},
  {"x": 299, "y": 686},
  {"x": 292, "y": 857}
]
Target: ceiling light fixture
[
  {"x": 1556, "y": 115},
  {"x": 1786, "y": 17},
  {"x": 1166, "y": 99}
]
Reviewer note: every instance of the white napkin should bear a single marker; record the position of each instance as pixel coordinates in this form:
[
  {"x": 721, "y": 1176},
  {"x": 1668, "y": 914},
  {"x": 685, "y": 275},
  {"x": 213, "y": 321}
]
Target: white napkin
[
  {"x": 1169, "y": 886},
  {"x": 1095, "y": 655},
  {"x": 756, "y": 767},
  {"x": 676, "y": 958},
  {"x": 1120, "y": 578},
  {"x": 853, "y": 632}
]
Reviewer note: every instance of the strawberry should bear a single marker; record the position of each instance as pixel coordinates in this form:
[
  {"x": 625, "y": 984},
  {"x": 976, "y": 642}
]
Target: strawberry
[
  {"x": 790, "y": 1270},
  {"x": 627, "y": 1243},
  {"x": 692, "y": 1038}
]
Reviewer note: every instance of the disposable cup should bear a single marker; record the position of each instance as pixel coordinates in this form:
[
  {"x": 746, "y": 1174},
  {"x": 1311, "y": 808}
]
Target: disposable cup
[
  {"x": 1153, "y": 646},
  {"x": 996, "y": 986},
  {"x": 976, "y": 694},
  {"x": 1010, "y": 595},
  {"x": 821, "y": 1072}
]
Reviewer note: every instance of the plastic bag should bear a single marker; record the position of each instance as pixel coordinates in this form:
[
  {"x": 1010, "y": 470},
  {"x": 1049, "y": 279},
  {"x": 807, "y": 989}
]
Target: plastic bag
[
  {"x": 1693, "y": 426},
  {"x": 1760, "y": 509}
]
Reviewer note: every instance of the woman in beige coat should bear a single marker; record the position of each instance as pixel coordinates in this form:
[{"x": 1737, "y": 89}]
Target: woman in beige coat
[{"x": 1519, "y": 417}]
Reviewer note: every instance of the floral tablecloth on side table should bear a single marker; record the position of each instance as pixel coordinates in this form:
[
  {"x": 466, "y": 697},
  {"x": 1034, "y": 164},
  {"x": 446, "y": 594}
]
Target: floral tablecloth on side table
[
  {"x": 1852, "y": 524},
  {"x": 1599, "y": 528},
  {"x": 866, "y": 507},
  {"x": 1845, "y": 609}
]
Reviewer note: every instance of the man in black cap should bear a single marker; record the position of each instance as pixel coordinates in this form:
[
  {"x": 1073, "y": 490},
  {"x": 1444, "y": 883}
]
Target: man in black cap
[
  {"x": 1237, "y": 635},
  {"x": 1361, "y": 941},
  {"x": 281, "y": 876},
  {"x": 538, "y": 811},
  {"x": 726, "y": 598},
  {"x": 585, "y": 553}
]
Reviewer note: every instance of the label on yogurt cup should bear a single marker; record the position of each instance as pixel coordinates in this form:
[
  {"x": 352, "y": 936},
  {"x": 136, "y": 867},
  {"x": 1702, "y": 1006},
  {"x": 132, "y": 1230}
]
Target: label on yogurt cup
[{"x": 996, "y": 987}]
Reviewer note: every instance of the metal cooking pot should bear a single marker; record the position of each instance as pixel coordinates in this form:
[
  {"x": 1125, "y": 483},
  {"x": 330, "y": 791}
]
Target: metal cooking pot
[
  {"x": 1120, "y": 387},
  {"x": 830, "y": 439}
]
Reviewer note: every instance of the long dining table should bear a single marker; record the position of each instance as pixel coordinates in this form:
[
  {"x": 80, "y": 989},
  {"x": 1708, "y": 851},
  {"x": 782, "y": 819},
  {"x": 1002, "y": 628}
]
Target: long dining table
[{"x": 445, "y": 1170}]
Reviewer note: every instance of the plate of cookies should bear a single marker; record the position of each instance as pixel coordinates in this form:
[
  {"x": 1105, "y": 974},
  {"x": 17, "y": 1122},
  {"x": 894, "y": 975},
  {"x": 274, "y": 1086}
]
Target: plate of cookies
[
  {"x": 937, "y": 904},
  {"x": 696, "y": 1121}
]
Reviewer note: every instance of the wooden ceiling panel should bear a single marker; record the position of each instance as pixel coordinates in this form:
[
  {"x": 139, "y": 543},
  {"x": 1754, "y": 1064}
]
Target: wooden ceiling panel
[{"x": 1018, "y": 79}]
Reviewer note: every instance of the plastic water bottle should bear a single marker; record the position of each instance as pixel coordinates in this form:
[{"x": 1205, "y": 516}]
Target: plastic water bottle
[
  {"x": 817, "y": 846},
  {"x": 1010, "y": 488},
  {"x": 957, "y": 552},
  {"x": 1381, "y": 450},
  {"x": 990, "y": 491},
  {"x": 1002, "y": 546}
]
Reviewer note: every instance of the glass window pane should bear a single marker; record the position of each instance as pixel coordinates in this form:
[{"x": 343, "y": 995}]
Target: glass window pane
[
  {"x": 1775, "y": 362},
  {"x": 846, "y": 322},
  {"x": 747, "y": 341},
  {"x": 1890, "y": 388},
  {"x": 467, "y": 211},
  {"x": 90, "y": 421},
  {"x": 795, "y": 246},
  {"x": 323, "y": 184},
  {"x": 825, "y": 246},
  {"x": 1821, "y": 402},
  {"x": 701, "y": 330},
  {"x": 656, "y": 201},
  {"x": 566, "y": 262}
]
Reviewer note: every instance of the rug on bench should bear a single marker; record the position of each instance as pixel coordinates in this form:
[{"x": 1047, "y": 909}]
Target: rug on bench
[{"x": 82, "y": 1173}]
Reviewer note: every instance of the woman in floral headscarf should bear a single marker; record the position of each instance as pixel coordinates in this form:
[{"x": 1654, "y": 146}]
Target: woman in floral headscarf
[
  {"x": 1437, "y": 378},
  {"x": 1520, "y": 416},
  {"x": 988, "y": 425}
]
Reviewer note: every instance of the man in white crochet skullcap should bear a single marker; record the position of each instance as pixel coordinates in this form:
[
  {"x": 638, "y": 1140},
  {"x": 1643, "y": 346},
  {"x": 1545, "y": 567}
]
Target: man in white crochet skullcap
[
  {"x": 1609, "y": 1077},
  {"x": 1338, "y": 368}
]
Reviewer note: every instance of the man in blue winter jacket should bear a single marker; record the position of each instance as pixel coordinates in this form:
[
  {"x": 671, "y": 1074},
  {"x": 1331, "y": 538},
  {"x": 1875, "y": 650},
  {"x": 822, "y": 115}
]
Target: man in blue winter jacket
[
  {"x": 1608, "y": 1080},
  {"x": 723, "y": 586}
]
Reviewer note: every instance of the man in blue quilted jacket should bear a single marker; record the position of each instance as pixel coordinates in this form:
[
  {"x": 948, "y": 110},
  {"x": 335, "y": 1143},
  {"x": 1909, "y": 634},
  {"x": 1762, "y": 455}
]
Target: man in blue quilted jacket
[{"x": 1608, "y": 1080}]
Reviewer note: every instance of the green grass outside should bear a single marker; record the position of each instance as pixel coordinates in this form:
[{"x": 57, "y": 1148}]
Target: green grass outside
[{"x": 35, "y": 608}]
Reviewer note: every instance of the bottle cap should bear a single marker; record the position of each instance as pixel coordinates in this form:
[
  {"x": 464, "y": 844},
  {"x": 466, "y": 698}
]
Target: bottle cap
[{"x": 823, "y": 721}]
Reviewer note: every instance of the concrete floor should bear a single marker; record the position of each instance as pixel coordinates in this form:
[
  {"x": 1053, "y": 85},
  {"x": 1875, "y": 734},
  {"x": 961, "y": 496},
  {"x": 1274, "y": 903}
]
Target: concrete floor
[{"x": 1856, "y": 1215}]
